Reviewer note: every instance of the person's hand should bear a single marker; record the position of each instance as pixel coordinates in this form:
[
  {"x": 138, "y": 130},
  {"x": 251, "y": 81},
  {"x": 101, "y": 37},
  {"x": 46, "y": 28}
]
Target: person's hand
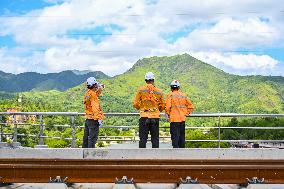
[
  {"x": 100, "y": 123},
  {"x": 167, "y": 117},
  {"x": 100, "y": 86}
]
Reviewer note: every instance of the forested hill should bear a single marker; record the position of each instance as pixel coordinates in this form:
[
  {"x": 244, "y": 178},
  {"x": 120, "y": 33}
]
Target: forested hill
[
  {"x": 42, "y": 82},
  {"x": 209, "y": 88}
]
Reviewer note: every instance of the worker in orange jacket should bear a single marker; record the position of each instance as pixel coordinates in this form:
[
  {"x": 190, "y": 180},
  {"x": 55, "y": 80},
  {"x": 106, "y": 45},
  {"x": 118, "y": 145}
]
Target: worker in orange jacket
[
  {"x": 94, "y": 113},
  {"x": 150, "y": 101},
  {"x": 178, "y": 106}
]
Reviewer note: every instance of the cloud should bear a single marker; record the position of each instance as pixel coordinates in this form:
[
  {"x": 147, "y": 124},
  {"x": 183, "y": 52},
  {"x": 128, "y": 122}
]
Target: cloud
[
  {"x": 229, "y": 34},
  {"x": 215, "y": 28},
  {"x": 17, "y": 64},
  {"x": 242, "y": 64}
]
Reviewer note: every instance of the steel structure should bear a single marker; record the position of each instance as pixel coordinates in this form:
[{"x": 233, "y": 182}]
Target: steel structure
[{"x": 142, "y": 170}]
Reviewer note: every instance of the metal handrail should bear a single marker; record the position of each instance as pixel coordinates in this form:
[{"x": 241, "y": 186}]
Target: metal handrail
[
  {"x": 161, "y": 127},
  {"x": 137, "y": 114},
  {"x": 72, "y": 115}
]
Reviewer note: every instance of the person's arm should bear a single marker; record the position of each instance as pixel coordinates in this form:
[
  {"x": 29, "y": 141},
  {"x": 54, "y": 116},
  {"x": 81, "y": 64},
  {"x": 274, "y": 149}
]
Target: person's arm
[
  {"x": 95, "y": 104},
  {"x": 162, "y": 103},
  {"x": 168, "y": 104},
  {"x": 189, "y": 106},
  {"x": 100, "y": 87},
  {"x": 137, "y": 100},
  {"x": 99, "y": 91}
]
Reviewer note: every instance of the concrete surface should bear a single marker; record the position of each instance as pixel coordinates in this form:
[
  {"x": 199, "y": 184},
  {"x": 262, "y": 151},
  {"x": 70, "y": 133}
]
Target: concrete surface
[
  {"x": 124, "y": 186},
  {"x": 184, "y": 153},
  {"x": 194, "y": 186},
  {"x": 79, "y": 153},
  {"x": 41, "y": 146},
  {"x": 60, "y": 153},
  {"x": 265, "y": 186},
  {"x": 93, "y": 185},
  {"x": 224, "y": 186},
  {"x": 135, "y": 145},
  {"x": 155, "y": 186},
  {"x": 3, "y": 144},
  {"x": 36, "y": 186}
]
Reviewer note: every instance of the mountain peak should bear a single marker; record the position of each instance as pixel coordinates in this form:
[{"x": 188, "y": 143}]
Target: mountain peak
[
  {"x": 81, "y": 72},
  {"x": 176, "y": 64}
]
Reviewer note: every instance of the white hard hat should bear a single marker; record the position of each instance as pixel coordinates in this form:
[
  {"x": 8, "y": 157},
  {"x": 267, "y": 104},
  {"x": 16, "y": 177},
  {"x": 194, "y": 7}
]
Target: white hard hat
[
  {"x": 149, "y": 76},
  {"x": 91, "y": 81},
  {"x": 175, "y": 83}
]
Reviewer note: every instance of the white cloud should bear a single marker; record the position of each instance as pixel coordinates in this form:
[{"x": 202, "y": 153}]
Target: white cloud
[
  {"x": 17, "y": 64},
  {"x": 241, "y": 64},
  {"x": 229, "y": 34},
  {"x": 225, "y": 25}
]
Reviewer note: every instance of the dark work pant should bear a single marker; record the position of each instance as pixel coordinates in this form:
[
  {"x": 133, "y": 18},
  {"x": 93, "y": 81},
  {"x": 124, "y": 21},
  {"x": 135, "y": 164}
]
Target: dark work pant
[
  {"x": 91, "y": 133},
  {"x": 146, "y": 125},
  {"x": 178, "y": 134}
]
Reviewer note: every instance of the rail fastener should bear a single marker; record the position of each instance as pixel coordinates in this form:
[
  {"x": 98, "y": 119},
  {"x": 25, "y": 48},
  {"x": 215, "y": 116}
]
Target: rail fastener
[
  {"x": 188, "y": 180},
  {"x": 124, "y": 180}
]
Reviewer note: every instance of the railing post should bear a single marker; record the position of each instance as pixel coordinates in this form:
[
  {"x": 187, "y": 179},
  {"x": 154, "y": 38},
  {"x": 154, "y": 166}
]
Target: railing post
[
  {"x": 15, "y": 136},
  {"x": 73, "y": 132},
  {"x": 1, "y": 128},
  {"x": 2, "y": 144},
  {"x": 41, "y": 139},
  {"x": 219, "y": 132}
]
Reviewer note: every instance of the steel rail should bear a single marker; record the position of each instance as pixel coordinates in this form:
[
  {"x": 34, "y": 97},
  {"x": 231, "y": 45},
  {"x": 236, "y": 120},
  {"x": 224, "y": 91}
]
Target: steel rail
[{"x": 155, "y": 171}]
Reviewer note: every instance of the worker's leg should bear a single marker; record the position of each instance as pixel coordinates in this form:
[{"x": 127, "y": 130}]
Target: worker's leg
[
  {"x": 174, "y": 128},
  {"x": 154, "y": 131},
  {"x": 93, "y": 133},
  {"x": 143, "y": 132},
  {"x": 86, "y": 134},
  {"x": 182, "y": 135}
]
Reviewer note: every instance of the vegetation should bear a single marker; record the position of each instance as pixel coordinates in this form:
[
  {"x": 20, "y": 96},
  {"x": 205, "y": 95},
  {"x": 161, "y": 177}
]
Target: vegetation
[
  {"x": 31, "y": 81},
  {"x": 210, "y": 90}
]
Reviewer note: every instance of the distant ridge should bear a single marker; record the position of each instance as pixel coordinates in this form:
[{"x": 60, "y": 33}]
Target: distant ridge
[{"x": 32, "y": 81}]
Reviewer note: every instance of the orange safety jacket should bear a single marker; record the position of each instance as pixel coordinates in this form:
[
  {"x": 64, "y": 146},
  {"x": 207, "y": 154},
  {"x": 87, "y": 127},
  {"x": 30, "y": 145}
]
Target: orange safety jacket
[
  {"x": 150, "y": 101},
  {"x": 92, "y": 105},
  {"x": 178, "y": 106}
]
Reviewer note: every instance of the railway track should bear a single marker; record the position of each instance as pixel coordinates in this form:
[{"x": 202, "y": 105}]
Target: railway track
[{"x": 15, "y": 170}]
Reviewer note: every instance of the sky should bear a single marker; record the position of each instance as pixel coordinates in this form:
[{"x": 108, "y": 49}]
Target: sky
[{"x": 244, "y": 37}]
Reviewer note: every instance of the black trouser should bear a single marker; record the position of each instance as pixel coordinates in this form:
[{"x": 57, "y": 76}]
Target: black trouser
[
  {"x": 91, "y": 133},
  {"x": 146, "y": 125},
  {"x": 178, "y": 134}
]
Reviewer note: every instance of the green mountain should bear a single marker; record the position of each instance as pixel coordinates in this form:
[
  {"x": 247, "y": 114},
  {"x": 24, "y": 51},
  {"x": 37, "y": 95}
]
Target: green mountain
[
  {"x": 42, "y": 82},
  {"x": 209, "y": 88}
]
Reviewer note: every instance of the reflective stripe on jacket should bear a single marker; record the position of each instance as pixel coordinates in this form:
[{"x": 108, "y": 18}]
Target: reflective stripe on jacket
[
  {"x": 150, "y": 101},
  {"x": 92, "y": 105},
  {"x": 178, "y": 106}
]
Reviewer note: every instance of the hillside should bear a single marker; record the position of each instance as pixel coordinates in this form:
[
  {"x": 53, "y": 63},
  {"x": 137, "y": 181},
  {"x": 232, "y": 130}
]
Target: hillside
[
  {"x": 209, "y": 88},
  {"x": 42, "y": 82}
]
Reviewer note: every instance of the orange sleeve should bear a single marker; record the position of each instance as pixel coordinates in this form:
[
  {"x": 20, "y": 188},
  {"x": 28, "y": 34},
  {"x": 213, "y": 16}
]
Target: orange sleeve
[
  {"x": 189, "y": 106},
  {"x": 168, "y": 104},
  {"x": 136, "y": 101},
  {"x": 161, "y": 103},
  {"x": 95, "y": 104},
  {"x": 99, "y": 92}
]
